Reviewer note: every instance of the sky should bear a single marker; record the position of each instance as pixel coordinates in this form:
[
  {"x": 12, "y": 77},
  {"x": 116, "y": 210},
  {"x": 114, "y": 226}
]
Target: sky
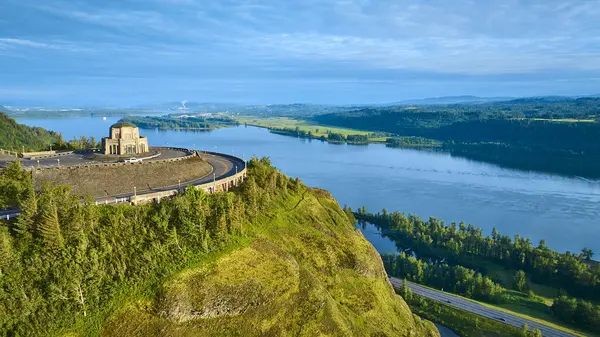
[{"x": 129, "y": 52}]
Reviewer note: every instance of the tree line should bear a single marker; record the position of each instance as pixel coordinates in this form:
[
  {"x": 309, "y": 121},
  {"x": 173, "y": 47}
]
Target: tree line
[
  {"x": 169, "y": 122},
  {"x": 63, "y": 260},
  {"x": 445, "y": 261},
  {"x": 414, "y": 142},
  {"x": 574, "y": 273},
  {"x": 524, "y": 135},
  {"x": 455, "y": 279},
  {"x": 461, "y": 322},
  {"x": 333, "y": 137}
]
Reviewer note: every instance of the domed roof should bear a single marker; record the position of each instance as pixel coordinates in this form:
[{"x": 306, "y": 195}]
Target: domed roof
[{"x": 123, "y": 124}]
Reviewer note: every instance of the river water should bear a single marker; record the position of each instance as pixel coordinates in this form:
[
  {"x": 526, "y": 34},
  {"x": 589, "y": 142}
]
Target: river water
[{"x": 563, "y": 211}]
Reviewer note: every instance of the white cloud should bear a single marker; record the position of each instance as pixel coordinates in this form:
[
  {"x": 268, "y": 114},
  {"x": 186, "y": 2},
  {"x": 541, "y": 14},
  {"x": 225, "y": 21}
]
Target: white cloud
[
  {"x": 466, "y": 56},
  {"x": 7, "y": 42},
  {"x": 462, "y": 37}
]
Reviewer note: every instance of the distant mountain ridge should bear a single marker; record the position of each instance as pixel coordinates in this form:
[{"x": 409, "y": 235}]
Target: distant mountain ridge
[{"x": 465, "y": 99}]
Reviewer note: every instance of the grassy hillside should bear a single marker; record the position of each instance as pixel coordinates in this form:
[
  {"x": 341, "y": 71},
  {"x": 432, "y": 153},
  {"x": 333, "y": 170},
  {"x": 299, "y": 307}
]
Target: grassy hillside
[
  {"x": 14, "y": 136},
  {"x": 272, "y": 259}
]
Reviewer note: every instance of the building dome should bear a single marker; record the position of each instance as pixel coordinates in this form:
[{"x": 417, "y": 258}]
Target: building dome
[{"x": 122, "y": 124}]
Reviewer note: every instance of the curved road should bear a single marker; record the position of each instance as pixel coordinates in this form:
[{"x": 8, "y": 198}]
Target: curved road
[
  {"x": 223, "y": 166},
  {"x": 476, "y": 308}
]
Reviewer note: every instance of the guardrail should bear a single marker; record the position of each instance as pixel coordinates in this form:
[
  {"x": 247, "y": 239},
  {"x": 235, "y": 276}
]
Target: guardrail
[
  {"x": 48, "y": 155},
  {"x": 223, "y": 184},
  {"x": 189, "y": 153},
  {"x": 10, "y": 153}
]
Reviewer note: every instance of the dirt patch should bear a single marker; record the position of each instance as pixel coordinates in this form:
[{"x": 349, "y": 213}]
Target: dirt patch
[{"x": 113, "y": 180}]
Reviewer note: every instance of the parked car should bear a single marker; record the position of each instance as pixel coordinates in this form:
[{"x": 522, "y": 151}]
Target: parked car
[{"x": 133, "y": 160}]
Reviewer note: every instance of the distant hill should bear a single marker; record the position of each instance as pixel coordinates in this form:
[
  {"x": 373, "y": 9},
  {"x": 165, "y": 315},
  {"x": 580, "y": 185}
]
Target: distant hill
[
  {"x": 554, "y": 99},
  {"x": 4, "y": 109},
  {"x": 466, "y": 99},
  {"x": 13, "y": 136}
]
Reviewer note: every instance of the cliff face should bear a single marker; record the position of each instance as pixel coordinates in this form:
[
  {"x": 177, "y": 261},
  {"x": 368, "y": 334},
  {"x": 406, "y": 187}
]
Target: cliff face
[
  {"x": 304, "y": 271},
  {"x": 273, "y": 258}
]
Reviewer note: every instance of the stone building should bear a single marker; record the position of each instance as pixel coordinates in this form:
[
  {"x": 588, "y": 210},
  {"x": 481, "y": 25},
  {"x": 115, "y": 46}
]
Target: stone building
[{"x": 124, "y": 139}]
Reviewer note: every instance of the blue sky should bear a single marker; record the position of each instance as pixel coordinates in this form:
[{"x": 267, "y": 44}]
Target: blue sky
[{"x": 126, "y": 52}]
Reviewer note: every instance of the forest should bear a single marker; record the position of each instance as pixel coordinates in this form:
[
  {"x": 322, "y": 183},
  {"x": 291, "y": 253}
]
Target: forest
[
  {"x": 331, "y": 137},
  {"x": 261, "y": 259},
  {"x": 15, "y": 137},
  {"x": 454, "y": 257},
  {"x": 63, "y": 259},
  {"x": 552, "y": 136},
  {"x": 173, "y": 123}
]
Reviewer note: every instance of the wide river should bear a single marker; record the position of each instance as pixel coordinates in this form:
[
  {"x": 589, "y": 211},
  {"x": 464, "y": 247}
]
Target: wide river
[{"x": 563, "y": 211}]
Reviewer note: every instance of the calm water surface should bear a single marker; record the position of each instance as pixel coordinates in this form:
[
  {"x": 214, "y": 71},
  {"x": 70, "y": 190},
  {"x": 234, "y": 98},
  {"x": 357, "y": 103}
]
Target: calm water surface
[{"x": 563, "y": 211}]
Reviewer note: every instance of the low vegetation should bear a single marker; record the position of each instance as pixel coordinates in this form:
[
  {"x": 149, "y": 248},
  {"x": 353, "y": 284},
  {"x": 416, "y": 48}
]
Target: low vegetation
[
  {"x": 302, "y": 129},
  {"x": 462, "y": 260},
  {"x": 272, "y": 258}
]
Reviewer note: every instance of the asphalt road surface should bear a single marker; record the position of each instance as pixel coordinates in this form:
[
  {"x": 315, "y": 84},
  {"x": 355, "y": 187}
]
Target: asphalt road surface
[
  {"x": 476, "y": 308},
  {"x": 80, "y": 158},
  {"x": 223, "y": 166}
]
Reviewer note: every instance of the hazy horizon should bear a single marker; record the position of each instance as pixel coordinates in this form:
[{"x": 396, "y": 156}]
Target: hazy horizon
[
  {"x": 124, "y": 53},
  {"x": 176, "y": 104}
]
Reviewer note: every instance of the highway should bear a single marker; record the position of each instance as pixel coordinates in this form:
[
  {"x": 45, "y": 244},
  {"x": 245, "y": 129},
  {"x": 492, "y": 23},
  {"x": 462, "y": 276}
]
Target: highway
[{"x": 476, "y": 308}]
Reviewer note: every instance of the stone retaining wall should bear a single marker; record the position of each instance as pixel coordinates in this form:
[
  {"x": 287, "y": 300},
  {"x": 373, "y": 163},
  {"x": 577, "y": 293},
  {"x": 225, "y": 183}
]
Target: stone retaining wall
[{"x": 46, "y": 154}]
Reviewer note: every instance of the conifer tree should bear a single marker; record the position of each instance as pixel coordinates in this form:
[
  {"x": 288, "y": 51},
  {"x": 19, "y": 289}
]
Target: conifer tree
[{"x": 50, "y": 228}]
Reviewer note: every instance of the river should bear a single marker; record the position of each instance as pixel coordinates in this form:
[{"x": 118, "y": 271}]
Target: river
[{"x": 563, "y": 211}]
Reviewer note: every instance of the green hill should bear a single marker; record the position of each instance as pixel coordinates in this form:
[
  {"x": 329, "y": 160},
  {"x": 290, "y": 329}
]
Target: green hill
[
  {"x": 273, "y": 258},
  {"x": 14, "y": 136}
]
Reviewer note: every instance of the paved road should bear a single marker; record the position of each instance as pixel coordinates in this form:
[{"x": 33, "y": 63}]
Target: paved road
[
  {"x": 223, "y": 166},
  {"x": 10, "y": 212},
  {"x": 79, "y": 158},
  {"x": 476, "y": 308}
]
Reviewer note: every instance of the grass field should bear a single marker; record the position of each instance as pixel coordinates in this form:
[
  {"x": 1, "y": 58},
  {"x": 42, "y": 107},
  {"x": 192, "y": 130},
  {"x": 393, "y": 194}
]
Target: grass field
[
  {"x": 302, "y": 271},
  {"x": 302, "y": 125}
]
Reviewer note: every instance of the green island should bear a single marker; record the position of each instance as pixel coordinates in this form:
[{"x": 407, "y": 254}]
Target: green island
[
  {"x": 180, "y": 122},
  {"x": 560, "y": 290}
]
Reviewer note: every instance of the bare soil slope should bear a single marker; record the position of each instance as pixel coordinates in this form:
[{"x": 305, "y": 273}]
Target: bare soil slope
[{"x": 112, "y": 180}]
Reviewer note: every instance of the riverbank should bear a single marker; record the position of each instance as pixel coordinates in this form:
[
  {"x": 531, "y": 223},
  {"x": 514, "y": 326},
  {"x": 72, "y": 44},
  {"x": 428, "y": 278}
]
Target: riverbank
[
  {"x": 505, "y": 275},
  {"x": 304, "y": 129}
]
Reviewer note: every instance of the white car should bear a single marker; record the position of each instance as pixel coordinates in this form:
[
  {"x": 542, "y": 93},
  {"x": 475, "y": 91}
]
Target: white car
[{"x": 133, "y": 160}]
